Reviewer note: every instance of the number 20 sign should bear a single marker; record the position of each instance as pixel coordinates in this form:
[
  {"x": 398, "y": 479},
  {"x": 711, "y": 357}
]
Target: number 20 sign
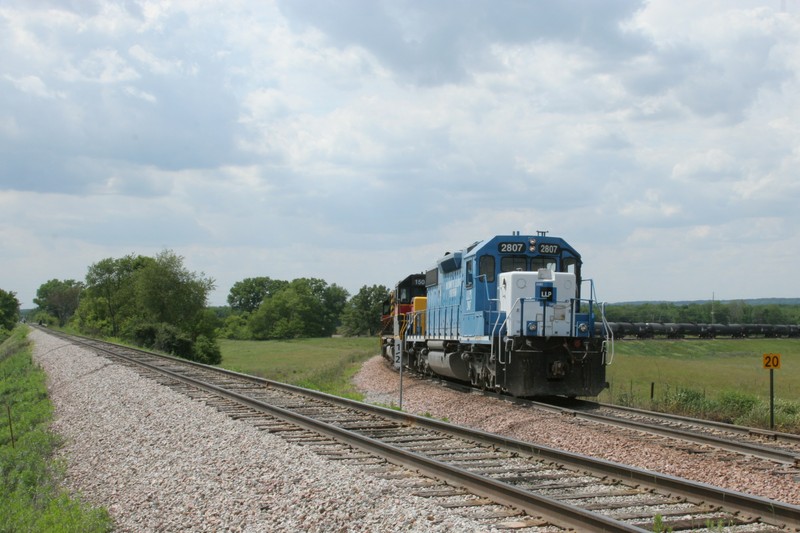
[{"x": 772, "y": 361}]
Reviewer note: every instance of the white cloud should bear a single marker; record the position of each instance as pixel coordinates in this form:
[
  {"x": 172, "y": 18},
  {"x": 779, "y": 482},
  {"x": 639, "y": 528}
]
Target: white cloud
[
  {"x": 101, "y": 66},
  {"x": 312, "y": 139},
  {"x": 35, "y": 86}
]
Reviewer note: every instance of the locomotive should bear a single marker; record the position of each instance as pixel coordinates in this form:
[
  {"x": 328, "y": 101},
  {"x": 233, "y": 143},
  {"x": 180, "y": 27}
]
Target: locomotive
[{"x": 504, "y": 314}]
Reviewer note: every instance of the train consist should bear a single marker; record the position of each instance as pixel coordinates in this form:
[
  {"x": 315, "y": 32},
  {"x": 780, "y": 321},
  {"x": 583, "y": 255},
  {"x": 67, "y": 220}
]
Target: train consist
[
  {"x": 650, "y": 330},
  {"x": 505, "y": 314}
]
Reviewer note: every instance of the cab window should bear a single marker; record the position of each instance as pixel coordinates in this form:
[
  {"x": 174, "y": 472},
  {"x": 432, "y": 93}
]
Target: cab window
[
  {"x": 510, "y": 263},
  {"x": 404, "y": 298},
  {"x": 543, "y": 262},
  {"x": 569, "y": 264},
  {"x": 486, "y": 268}
]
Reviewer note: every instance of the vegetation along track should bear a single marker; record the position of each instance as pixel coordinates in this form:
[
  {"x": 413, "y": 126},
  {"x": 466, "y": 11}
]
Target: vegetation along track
[{"x": 551, "y": 486}]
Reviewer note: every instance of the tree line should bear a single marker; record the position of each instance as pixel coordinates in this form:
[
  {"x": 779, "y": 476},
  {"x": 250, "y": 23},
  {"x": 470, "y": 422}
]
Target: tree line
[
  {"x": 263, "y": 308},
  {"x": 155, "y": 302},
  {"x": 733, "y": 312},
  {"x": 9, "y": 313}
]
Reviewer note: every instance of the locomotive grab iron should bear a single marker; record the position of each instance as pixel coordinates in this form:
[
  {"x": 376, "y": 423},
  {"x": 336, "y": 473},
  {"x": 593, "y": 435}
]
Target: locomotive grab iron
[{"x": 504, "y": 314}]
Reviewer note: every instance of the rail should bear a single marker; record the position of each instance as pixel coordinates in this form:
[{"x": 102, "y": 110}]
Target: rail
[{"x": 768, "y": 511}]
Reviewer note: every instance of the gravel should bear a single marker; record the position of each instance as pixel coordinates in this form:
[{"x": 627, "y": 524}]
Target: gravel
[
  {"x": 751, "y": 476},
  {"x": 159, "y": 461}
]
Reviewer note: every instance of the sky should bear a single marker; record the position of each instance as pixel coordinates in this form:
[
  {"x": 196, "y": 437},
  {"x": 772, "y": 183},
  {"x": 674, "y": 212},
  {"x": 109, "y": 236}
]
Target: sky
[{"x": 357, "y": 141}]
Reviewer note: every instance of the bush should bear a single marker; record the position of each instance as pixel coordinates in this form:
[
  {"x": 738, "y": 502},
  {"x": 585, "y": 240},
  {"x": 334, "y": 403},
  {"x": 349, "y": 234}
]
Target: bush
[
  {"x": 731, "y": 405},
  {"x": 687, "y": 402},
  {"x": 173, "y": 341},
  {"x": 162, "y": 337},
  {"x": 207, "y": 351}
]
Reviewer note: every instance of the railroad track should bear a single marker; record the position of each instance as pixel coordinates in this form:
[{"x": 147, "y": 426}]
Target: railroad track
[
  {"x": 550, "y": 486},
  {"x": 783, "y": 448},
  {"x": 775, "y": 446}
]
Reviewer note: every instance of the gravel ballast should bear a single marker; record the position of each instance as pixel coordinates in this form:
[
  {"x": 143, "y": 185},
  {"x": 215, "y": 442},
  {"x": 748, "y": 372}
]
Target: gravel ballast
[
  {"x": 381, "y": 385},
  {"x": 159, "y": 461}
]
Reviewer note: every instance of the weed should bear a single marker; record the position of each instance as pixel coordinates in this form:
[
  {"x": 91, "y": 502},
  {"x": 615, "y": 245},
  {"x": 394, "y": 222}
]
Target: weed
[
  {"x": 659, "y": 526},
  {"x": 32, "y": 499}
]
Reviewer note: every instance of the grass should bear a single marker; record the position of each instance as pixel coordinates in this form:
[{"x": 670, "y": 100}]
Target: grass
[
  {"x": 326, "y": 364},
  {"x": 32, "y": 498},
  {"x": 720, "y": 378}
]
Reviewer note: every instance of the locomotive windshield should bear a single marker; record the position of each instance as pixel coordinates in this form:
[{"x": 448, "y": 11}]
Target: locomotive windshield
[
  {"x": 543, "y": 262},
  {"x": 511, "y": 263}
]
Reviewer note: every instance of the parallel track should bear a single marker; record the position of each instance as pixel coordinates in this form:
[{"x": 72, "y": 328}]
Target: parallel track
[
  {"x": 775, "y": 446},
  {"x": 556, "y": 487},
  {"x": 781, "y": 448}
]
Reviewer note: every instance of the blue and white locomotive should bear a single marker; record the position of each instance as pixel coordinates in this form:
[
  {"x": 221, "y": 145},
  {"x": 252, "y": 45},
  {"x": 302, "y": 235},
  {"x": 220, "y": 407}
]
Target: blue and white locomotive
[{"x": 504, "y": 314}]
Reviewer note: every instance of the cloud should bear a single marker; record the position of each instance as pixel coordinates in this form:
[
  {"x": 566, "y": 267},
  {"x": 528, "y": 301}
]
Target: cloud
[{"x": 357, "y": 140}]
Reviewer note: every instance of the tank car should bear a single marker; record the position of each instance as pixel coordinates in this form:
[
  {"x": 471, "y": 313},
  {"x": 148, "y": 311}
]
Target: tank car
[{"x": 507, "y": 314}]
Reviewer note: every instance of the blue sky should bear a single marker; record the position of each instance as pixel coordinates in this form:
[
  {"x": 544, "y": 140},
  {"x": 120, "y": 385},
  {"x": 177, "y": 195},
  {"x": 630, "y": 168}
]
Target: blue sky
[{"x": 357, "y": 140}]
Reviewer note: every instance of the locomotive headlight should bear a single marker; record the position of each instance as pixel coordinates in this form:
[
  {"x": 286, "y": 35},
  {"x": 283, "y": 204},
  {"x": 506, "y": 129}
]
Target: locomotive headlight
[
  {"x": 583, "y": 328},
  {"x": 531, "y": 326}
]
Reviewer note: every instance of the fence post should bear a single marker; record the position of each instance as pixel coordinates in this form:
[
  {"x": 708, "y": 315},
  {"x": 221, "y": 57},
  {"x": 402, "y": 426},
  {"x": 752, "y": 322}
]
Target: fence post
[{"x": 10, "y": 425}]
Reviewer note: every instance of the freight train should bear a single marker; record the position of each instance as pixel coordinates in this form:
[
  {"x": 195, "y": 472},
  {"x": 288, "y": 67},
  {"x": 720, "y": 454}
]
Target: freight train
[
  {"x": 669, "y": 330},
  {"x": 510, "y": 313}
]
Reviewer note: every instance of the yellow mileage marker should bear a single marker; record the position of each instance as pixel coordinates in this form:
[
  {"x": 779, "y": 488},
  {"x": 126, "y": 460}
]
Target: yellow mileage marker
[{"x": 771, "y": 361}]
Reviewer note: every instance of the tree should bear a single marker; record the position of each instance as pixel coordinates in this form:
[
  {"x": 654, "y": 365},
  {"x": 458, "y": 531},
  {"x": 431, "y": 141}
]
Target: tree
[
  {"x": 167, "y": 292},
  {"x": 246, "y": 296},
  {"x": 362, "y": 314},
  {"x": 286, "y": 315},
  {"x": 9, "y": 309},
  {"x": 109, "y": 298},
  {"x": 306, "y": 307},
  {"x": 59, "y": 298},
  {"x": 154, "y": 302}
]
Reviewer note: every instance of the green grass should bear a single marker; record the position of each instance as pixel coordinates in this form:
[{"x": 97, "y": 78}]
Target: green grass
[
  {"x": 721, "y": 378},
  {"x": 32, "y": 499},
  {"x": 326, "y": 364}
]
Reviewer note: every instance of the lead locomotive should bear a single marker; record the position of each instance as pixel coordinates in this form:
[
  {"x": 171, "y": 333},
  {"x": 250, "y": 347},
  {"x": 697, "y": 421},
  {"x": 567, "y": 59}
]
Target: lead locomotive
[{"x": 504, "y": 314}]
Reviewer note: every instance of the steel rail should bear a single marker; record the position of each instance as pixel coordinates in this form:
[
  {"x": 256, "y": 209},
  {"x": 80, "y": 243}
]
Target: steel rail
[
  {"x": 785, "y": 457},
  {"x": 772, "y": 512},
  {"x": 503, "y": 493},
  {"x": 714, "y": 424},
  {"x": 756, "y": 450}
]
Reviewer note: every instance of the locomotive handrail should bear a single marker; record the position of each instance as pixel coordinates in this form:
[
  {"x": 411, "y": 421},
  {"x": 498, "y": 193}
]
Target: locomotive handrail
[
  {"x": 607, "y": 330},
  {"x": 496, "y": 335}
]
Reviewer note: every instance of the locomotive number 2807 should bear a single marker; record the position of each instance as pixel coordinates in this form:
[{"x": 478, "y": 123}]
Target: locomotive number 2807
[
  {"x": 550, "y": 249},
  {"x": 511, "y": 247}
]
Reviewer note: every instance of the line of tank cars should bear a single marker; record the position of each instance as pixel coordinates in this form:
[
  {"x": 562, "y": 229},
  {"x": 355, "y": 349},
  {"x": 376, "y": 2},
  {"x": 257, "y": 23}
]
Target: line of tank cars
[
  {"x": 510, "y": 313},
  {"x": 650, "y": 330}
]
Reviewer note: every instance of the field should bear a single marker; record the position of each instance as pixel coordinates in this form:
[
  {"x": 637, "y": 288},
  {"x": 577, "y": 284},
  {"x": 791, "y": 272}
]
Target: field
[
  {"x": 711, "y": 366},
  {"x": 719, "y": 378},
  {"x": 323, "y": 364}
]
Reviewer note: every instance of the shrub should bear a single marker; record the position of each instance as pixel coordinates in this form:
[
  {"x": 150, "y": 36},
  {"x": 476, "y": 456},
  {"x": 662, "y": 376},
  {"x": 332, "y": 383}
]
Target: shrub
[
  {"x": 207, "y": 351},
  {"x": 731, "y": 405}
]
